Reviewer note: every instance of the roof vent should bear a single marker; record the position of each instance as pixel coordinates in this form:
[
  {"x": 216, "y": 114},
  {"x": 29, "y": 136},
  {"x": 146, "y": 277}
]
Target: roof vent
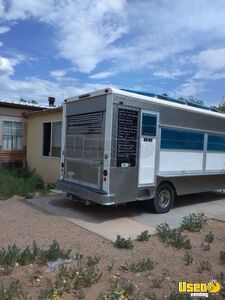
[{"x": 51, "y": 101}]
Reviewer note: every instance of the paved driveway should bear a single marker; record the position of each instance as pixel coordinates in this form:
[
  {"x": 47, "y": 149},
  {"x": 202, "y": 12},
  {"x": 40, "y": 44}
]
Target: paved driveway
[{"x": 131, "y": 219}]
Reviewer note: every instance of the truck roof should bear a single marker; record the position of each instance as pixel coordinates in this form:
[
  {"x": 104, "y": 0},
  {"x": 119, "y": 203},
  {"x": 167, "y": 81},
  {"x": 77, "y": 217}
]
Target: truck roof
[{"x": 159, "y": 99}]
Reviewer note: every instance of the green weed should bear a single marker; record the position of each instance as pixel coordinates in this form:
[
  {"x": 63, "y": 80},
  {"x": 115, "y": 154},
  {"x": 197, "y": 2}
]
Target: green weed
[
  {"x": 121, "y": 289},
  {"x": 209, "y": 238},
  {"x": 140, "y": 266},
  {"x": 193, "y": 222},
  {"x": 122, "y": 243},
  {"x": 20, "y": 182},
  {"x": 14, "y": 291},
  {"x": 222, "y": 257},
  {"x": 173, "y": 237},
  {"x": 204, "y": 266},
  {"x": 144, "y": 236},
  {"x": 157, "y": 282},
  {"x": 71, "y": 279},
  {"x": 175, "y": 296},
  {"x": 205, "y": 246},
  {"x": 13, "y": 255},
  {"x": 188, "y": 258}
]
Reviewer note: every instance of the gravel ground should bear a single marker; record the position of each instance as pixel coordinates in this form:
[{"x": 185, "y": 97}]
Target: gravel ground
[{"x": 21, "y": 223}]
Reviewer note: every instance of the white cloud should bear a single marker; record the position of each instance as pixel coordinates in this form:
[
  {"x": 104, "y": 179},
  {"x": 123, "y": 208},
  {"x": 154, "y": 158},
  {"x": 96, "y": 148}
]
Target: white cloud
[
  {"x": 89, "y": 32},
  {"x": 190, "y": 88},
  {"x": 169, "y": 74},
  {"x": 58, "y": 73},
  {"x": 4, "y": 29},
  {"x": 40, "y": 89},
  {"x": 1, "y": 44},
  {"x": 131, "y": 34},
  {"x": 210, "y": 59},
  {"x": 102, "y": 75},
  {"x": 6, "y": 66}
]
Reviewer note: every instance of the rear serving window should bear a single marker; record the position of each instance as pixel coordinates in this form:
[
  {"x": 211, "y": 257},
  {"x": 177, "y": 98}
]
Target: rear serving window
[{"x": 85, "y": 124}]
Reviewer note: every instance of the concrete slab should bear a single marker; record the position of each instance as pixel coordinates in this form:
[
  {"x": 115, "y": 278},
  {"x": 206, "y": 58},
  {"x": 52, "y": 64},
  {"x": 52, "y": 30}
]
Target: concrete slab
[{"x": 131, "y": 219}]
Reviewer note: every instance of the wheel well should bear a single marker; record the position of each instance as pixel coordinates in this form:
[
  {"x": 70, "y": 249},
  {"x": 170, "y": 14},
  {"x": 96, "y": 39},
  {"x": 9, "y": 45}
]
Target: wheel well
[{"x": 170, "y": 183}]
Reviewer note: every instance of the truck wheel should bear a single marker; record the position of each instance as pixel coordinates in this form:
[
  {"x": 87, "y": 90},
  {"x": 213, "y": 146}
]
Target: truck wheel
[{"x": 163, "y": 200}]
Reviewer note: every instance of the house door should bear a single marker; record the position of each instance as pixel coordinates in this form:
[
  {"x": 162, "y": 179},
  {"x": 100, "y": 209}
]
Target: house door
[{"x": 147, "y": 148}]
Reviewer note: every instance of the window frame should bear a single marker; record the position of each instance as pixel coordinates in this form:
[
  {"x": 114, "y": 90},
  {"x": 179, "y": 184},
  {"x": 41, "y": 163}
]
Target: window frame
[
  {"x": 12, "y": 135},
  {"x": 42, "y": 140}
]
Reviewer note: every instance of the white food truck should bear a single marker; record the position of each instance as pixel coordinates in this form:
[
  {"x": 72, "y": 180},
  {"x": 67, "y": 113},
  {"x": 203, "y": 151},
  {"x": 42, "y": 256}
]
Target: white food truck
[{"x": 120, "y": 146}]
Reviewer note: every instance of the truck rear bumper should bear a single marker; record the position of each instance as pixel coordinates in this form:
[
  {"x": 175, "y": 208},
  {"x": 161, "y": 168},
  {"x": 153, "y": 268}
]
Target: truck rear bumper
[{"x": 85, "y": 193}]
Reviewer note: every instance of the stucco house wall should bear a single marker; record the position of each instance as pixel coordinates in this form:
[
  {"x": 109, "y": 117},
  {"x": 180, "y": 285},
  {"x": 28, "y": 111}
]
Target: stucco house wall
[
  {"x": 48, "y": 167},
  {"x": 10, "y": 112}
]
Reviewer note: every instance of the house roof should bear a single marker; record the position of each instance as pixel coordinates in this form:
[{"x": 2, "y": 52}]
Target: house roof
[
  {"x": 48, "y": 110},
  {"x": 21, "y": 105}
]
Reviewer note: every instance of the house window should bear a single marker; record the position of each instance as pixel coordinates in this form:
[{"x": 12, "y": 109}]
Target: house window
[
  {"x": 12, "y": 135},
  {"x": 52, "y": 139}
]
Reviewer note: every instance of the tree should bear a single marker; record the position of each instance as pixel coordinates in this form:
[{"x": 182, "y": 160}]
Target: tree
[
  {"x": 192, "y": 99},
  {"x": 220, "y": 106}
]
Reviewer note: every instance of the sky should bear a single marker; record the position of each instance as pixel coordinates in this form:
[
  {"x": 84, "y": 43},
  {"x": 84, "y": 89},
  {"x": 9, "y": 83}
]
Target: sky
[{"x": 62, "y": 48}]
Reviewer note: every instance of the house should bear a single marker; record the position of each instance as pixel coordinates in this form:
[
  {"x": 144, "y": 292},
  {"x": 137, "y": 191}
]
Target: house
[
  {"x": 13, "y": 128},
  {"x": 44, "y": 142}
]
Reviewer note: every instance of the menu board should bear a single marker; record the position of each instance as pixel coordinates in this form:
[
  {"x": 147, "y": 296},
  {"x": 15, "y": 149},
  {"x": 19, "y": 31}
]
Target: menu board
[{"x": 127, "y": 137}]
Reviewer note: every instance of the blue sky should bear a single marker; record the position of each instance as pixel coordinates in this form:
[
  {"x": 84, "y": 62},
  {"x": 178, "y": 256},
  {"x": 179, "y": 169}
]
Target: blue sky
[{"x": 63, "y": 48}]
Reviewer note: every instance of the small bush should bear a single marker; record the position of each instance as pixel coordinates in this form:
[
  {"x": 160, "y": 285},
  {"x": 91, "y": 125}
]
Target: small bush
[
  {"x": 144, "y": 236},
  {"x": 122, "y": 243},
  {"x": 92, "y": 261},
  {"x": 173, "y": 237},
  {"x": 193, "y": 222},
  {"x": 12, "y": 256},
  {"x": 205, "y": 246},
  {"x": 111, "y": 265},
  {"x": 222, "y": 257},
  {"x": 157, "y": 282},
  {"x": 204, "y": 266},
  {"x": 140, "y": 266},
  {"x": 188, "y": 258},
  {"x": 68, "y": 279},
  {"x": 121, "y": 289},
  {"x": 209, "y": 238},
  {"x": 175, "y": 296},
  {"x": 20, "y": 182},
  {"x": 15, "y": 290}
]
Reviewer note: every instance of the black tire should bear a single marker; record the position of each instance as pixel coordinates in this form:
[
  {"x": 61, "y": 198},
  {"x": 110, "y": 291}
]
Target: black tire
[{"x": 163, "y": 200}]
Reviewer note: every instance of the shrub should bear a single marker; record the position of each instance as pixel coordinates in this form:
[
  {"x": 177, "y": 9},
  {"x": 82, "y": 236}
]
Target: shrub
[
  {"x": 121, "y": 289},
  {"x": 175, "y": 296},
  {"x": 15, "y": 290},
  {"x": 188, "y": 258},
  {"x": 173, "y": 237},
  {"x": 209, "y": 238},
  {"x": 140, "y": 266},
  {"x": 193, "y": 222},
  {"x": 157, "y": 282},
  {"x": 122, "y": 243},
  {"x": 12, "y": 256},
  {"x": 205, "y": 246},
  {"x": 222, "y": 257},
  {"x": 204, "y": 266},
  {"x": 20, "y": 182},
  {"x": 68, "y": 279},
  {"x": 144, "y": 236}
]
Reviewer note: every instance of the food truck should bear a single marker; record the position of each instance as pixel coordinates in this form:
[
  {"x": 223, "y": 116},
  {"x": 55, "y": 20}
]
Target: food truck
[{"x": 120, "y": 146}]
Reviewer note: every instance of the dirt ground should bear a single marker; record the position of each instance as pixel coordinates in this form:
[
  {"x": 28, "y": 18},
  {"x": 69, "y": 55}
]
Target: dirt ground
[{"x": 21, "y": 223}]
